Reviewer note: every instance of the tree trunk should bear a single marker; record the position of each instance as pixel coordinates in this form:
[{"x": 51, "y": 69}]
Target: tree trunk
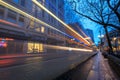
[{"x": 108, "y": 40}]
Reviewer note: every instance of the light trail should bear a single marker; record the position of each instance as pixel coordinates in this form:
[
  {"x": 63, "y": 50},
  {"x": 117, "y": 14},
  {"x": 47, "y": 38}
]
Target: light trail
[
  {"x": 3, "y": 3},
  {"x": 41, "y": 6},
  {"x": 67, "y": 48}
]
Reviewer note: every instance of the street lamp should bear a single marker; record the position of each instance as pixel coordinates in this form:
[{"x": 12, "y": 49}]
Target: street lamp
[{"x": 100, "y": 36}]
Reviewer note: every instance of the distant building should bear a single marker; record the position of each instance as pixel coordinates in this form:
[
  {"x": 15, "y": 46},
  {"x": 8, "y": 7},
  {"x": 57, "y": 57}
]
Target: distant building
[
  {"x": 90, "y": 34},
  {"x": 77, "y": 26}
]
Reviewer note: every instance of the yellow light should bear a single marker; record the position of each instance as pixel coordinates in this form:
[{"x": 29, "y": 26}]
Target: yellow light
[
  {"x": 27, "y": 15},
  {"x": 87, "y": 38},
  {"x": 114, "y": 38},
  {"x": 42, "y": 29},
  {"x": 67, "y": 48},
  {"x": 41, "y": 6}
]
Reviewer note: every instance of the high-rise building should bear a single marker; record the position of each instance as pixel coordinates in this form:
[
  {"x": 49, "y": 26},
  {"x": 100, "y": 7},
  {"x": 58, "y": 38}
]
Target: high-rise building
[
  {"x": 90, "y": 34},
  {"x": 78, "y": 27}
]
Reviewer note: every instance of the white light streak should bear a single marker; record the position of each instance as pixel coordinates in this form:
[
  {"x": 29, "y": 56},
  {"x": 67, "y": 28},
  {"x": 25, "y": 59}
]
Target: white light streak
[
  {"x": 41, "y": 6},
  {"x": 67, "y": 48},
  {"x": 3, "y": 3}
]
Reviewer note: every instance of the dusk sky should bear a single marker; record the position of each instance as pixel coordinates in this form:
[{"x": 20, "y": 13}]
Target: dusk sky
[
  {"x": 93, "y": 26},
  {"x": 71, "y": 17}
]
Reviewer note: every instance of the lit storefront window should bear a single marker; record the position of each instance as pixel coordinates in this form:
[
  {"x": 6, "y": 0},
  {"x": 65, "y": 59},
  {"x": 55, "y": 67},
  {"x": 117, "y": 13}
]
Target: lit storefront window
[{"x": 35, "y": 48}]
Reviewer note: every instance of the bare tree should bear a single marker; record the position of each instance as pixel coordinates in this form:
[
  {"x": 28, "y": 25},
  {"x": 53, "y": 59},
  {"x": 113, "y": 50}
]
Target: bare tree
[
  {"x": 100, "y": 12},
  {"x": 114, "y": 5},
  {"x": 97, "y": 11}
]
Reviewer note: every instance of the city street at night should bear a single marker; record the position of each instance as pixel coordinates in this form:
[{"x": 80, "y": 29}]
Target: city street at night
[
  {"x": 29, "y": 68},
  {"x": 95, "y": 68},
  {"x": 59, "y": 39}
]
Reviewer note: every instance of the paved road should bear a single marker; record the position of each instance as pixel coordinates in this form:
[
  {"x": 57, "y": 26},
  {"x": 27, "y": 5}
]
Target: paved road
[
  {"x": 16, "y": 61},
  {"x": 80, "y": 72},
  {"x": 44, "y": 67},
  {"x": 96, "y": 68}
]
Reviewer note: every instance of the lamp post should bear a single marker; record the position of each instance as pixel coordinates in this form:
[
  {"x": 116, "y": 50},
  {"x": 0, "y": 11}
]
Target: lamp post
[{"x": 100, "y": 37}]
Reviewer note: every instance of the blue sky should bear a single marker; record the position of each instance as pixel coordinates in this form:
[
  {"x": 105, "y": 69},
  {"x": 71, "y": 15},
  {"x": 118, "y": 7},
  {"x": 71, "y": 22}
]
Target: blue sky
[
  {"x": 71, "y": 16},
  {"x": 93, "y": 26}
]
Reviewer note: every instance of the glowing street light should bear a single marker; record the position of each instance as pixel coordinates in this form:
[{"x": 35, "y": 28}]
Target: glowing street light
[{"x": 100, "y": 36}]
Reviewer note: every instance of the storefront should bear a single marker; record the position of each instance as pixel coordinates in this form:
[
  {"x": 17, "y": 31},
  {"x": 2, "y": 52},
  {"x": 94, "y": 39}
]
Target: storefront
[
  {"x": 12, "y": 46},
  {"x": 34, "y": 47}
]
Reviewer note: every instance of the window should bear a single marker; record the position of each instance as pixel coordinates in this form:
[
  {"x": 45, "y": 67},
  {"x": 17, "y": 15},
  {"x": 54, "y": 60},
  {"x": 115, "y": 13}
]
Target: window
[
  {"x": 37, "y": 29},
  {"x": 21, "y": 20},
  {"x": 32, "y": 23},
  {"x": 42, "y": 29},
  {"x": 16, "y": 1},
  {"x": 12, "y": 16},
  {"x": 43, "y": 13},
  {"x": 35, "y": 48},
  {"x": 1, "y": 12},
  {"x": 48, "y": 30},
  {"x": 22, "y": 2}
]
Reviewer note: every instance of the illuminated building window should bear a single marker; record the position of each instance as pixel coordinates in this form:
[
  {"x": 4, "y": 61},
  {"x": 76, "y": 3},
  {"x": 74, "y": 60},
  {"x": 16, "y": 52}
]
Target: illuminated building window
[
  {"x": 37, "y": 29},
  {"x": 35, "y": 48},
  {"x": 42, "y": 29}
]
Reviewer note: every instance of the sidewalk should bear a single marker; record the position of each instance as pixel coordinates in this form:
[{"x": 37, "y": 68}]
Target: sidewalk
[{"x": 101, "y": 70}]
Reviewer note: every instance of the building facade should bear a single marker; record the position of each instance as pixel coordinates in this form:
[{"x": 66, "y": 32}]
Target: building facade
[
  {"x": 114, "y": 36},
  {"x": 90, "y": 34},
  {"x": 77, "y": 26},
  {"x": 35, "y": 22},
  {"x": 23, "y": 19}
]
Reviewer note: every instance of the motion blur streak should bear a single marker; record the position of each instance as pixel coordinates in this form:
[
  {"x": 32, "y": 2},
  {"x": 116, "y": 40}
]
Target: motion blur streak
[
  {"x": 67, "y": 48},
  {"x": 41, "y": 6},
  {"x": 27, "y": 15}
]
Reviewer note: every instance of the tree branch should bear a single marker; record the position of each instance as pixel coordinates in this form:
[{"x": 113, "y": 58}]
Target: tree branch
[
  {"x": 101, "y": 23},
  {"x": 114, "y": 9},
  {"x": 87, "y": 17}
]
